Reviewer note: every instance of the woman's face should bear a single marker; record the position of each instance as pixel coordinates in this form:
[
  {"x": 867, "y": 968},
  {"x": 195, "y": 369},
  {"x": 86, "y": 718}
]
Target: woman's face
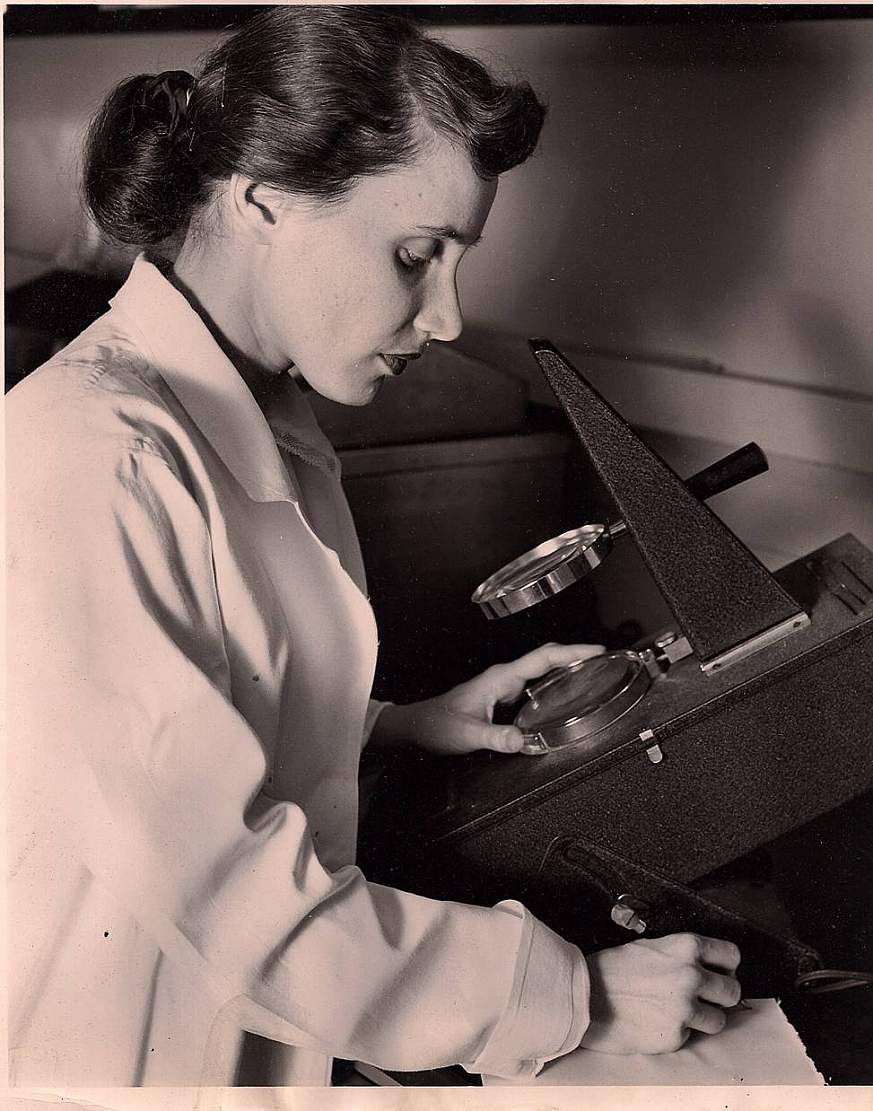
[{"x": 353, "y": 289}]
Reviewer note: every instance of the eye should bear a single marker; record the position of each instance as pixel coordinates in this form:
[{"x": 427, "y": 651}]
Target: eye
[{"x": 414, "y": 260}]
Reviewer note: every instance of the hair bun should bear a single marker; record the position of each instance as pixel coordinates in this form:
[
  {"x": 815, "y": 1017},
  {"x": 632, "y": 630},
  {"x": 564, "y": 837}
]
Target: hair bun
[
  {"x": 169, "y": 92},
  {"x": 140, "y": 179}
]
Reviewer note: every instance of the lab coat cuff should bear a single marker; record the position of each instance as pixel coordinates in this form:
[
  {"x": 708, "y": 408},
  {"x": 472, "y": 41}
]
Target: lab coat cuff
[{"x": 547, "y": 1014}]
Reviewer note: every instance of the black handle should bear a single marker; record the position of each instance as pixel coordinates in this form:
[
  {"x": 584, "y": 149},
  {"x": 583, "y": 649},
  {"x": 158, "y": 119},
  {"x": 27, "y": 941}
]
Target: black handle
[{"x": 745, "y": 462}]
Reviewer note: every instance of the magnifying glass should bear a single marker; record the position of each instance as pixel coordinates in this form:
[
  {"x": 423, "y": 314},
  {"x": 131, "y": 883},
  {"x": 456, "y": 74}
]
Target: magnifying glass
[
  {"x": 571, "y": 704},
  {"x": 557, "y": 563}
]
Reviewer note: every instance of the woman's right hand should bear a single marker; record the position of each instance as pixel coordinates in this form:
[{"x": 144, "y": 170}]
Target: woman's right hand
[{"x": 647, "y": 996}]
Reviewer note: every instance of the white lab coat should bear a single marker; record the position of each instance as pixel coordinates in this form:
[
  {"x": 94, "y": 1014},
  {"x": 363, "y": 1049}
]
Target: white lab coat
[{"x": 191, "y": 653}]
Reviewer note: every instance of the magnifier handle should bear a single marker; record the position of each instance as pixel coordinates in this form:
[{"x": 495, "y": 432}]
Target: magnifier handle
[{"x": 745, "y": 462}]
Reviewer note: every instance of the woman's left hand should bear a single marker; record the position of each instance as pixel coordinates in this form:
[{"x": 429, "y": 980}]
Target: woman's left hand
[{"x": 461, "y": 719}]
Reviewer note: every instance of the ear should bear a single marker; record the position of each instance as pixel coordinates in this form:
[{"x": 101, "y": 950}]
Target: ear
[{"x": 256, "y": 207}]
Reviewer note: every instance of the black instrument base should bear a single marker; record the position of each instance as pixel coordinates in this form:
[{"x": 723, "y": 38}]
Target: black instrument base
[{"x": 768, "y": 753}]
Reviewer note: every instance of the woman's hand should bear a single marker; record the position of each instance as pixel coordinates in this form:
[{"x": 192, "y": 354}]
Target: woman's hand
[
  {"x": 647, "y": 996},
  {"x": 461, "y": 719}
]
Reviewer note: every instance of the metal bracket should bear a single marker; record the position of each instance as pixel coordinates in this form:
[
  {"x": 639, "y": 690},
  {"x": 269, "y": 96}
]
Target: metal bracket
[
  {"x": 654, "y": 752},
  {"x": 741, "y": 651}
]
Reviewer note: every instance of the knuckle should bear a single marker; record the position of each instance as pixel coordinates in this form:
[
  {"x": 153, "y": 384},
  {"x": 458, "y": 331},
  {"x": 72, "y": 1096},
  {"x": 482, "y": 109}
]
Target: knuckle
[
  {"x": 493, "y": 674},
  {"x": 687, "y": 946},
  {"x": 695, "y": 946}
]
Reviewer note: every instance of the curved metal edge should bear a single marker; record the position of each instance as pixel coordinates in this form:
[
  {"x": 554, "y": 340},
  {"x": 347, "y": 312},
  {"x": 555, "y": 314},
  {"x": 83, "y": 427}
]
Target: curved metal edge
[{"x": 495, "y": 600}]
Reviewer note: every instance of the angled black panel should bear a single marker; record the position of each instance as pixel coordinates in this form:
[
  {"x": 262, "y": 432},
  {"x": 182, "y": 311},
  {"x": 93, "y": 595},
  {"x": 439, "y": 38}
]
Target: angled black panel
[{"x": 719, "y": 592}]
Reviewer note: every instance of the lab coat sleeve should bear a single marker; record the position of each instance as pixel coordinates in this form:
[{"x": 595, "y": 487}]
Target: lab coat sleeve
[{"x": 121, "y": 688}]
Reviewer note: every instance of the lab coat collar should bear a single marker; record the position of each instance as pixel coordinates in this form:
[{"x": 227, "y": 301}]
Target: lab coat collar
[
  {"x": 216, "y": 397},
  {"x": 296, "y": 429}
]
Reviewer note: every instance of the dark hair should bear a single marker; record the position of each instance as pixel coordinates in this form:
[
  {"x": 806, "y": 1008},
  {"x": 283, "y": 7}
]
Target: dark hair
[{"x": 304, "y": 98}]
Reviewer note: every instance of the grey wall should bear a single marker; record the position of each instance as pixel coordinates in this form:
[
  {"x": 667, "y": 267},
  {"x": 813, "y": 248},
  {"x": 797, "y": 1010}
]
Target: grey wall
[{"x": 696, "y": 192}]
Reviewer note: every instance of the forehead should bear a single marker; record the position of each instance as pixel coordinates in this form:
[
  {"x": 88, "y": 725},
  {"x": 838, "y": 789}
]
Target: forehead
[{"x": 439, "y": 190}]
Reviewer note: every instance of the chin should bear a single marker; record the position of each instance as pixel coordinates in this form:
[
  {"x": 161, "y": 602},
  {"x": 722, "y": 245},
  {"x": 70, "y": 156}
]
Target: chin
[
  {"x": 370, "y": 393},
  {"x": 354, "y": 394},
  {"x": 361, "y": 397}
]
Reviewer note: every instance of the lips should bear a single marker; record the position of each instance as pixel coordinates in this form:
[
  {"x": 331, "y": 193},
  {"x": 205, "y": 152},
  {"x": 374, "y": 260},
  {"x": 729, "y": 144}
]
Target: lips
[{"x": 397, "y": 363}]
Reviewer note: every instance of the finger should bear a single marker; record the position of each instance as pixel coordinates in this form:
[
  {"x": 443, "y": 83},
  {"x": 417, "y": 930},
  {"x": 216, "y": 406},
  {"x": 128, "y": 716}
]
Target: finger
[
  {"x": 462, "y": 733},
  {"x": 504, "y": 738},
  {"x": 511, "y": 678},
  {"x": 707, "y": 1019},
  {"x": 723, "y": 990},
  {"x": 472, "y": 735},
  {"x": 716, "y": 953}
]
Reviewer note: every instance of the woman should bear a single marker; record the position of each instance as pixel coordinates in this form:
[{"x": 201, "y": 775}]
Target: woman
[{"x": 193, "y": 646}]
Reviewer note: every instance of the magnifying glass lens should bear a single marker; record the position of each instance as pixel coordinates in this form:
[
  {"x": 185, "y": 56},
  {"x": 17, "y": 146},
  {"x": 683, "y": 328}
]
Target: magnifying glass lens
[
  {"x": 535, "y": 569},
  {"x": 580, "y": 700}
]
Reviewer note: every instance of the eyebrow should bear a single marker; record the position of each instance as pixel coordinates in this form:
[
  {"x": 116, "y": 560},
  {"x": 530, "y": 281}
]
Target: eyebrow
[{"x": 448, "y": 232}]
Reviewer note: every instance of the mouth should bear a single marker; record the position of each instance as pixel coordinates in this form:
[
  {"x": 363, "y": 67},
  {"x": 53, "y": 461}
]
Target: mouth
[{"x": 397, "y": 363}]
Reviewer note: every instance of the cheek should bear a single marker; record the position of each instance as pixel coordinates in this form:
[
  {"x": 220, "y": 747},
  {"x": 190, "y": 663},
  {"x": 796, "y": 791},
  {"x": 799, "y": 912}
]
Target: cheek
[
  {"x": 334, "y": 295},
  {"x": 393, "y": 295},
  {"x": 370, "y": 304},
  {"x": 337, "y": 304},
  {"x": 309, "y": 302}
]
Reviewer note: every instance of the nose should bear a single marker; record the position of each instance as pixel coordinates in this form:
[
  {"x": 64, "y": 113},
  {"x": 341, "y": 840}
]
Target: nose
[{"x": 439, "y": 315}]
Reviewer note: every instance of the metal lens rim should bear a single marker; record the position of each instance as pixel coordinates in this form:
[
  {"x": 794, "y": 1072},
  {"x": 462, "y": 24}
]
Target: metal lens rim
[
  {"x": 562, "y": 733},
  {"x": 577, "y": 553}
]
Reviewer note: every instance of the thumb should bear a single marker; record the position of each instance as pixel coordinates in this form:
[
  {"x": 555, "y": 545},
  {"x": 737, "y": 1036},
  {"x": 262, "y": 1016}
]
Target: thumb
[
  {"x": 500, "y": 738},
  {"x": 463, "y": 733}
]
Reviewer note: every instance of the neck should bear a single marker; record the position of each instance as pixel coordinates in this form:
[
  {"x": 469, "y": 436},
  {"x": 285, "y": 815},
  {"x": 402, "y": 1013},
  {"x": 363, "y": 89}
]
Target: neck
[{"x": 219, "y": 293}]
